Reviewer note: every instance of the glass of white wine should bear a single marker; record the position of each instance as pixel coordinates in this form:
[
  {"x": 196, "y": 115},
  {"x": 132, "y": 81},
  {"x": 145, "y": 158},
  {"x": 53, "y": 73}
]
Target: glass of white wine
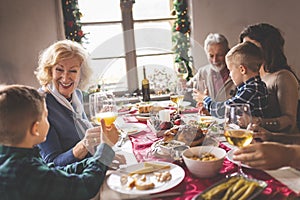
[
  {"x": 237, "y": 125},
  {"x": 103, "y": 106},
  {"x": 177, "y": 96}
]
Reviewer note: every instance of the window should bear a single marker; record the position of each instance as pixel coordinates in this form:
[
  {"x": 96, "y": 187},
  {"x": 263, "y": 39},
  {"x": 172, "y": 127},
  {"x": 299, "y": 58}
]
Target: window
[{"x": 118, "y": 65}]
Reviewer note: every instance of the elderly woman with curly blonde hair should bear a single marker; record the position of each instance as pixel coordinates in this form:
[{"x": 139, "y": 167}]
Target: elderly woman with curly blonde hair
[{"x": 62, "y": 71}]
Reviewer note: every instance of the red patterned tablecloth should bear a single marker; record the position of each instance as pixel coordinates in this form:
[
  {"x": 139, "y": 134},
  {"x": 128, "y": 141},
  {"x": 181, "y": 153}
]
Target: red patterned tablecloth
[{"x": 191, "y": 185}]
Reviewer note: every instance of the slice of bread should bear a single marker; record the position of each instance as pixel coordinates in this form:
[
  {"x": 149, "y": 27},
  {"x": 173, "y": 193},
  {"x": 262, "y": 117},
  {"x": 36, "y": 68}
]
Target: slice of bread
[{"x": 149, "y": 168}]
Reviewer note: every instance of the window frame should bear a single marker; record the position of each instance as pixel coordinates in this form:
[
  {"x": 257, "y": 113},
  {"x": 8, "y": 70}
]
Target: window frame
[{"x": 127, "y": 23}]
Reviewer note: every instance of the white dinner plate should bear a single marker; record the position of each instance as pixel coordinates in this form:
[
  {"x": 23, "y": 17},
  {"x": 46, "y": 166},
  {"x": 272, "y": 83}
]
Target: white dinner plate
[
  {"x": 167, "y": 104},
  {"x": 176, "y": 171},
  {"x": 125, "y": 109},
  {"x": 185, "y": 103},
  {"x": 133, "y": 128},
  {"x": 230, "y": 158}
]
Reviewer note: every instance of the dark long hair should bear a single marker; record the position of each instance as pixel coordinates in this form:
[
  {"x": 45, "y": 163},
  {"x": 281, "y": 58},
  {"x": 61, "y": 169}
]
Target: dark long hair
[{"x": 272, "y": 44}]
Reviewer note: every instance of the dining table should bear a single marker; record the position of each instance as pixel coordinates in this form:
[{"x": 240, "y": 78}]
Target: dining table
[{"x": 139, "y": 148}]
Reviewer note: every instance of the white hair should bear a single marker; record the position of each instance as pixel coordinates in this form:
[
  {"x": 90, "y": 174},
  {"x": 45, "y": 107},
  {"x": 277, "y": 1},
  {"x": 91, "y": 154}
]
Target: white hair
[{"x": 216, "y": 38}]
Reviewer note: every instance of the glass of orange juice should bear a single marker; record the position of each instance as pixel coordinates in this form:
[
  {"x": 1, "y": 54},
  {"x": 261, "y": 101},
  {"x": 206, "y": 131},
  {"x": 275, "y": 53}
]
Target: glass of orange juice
[{"x": 104, "y": 107}]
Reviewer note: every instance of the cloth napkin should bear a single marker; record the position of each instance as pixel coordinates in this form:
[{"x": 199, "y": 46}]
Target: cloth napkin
[{"x": 288, "y": 176}]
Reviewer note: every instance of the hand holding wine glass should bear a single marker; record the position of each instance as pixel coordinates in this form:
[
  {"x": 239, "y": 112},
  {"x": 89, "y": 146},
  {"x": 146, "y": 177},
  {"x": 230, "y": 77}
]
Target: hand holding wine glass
[
  {"x": 237, "y": 125},
  {"x": 104, "y": 107}
]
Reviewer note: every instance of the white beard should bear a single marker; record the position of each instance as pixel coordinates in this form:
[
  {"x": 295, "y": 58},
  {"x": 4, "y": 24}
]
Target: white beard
[{"x": 217, "y": 69}]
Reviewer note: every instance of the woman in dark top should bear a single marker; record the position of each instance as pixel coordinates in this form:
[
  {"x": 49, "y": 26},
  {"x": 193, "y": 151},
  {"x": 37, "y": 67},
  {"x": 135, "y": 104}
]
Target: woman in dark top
[
  {"x": 281, "y": 81},
  {"x": 62, "y": 70}
]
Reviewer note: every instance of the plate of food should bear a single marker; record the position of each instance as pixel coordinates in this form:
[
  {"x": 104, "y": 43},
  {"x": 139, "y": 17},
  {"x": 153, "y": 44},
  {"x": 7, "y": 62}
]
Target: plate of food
[
  {"x": 144, "y": 107},
  {"x": 146, "y": 178},
  {"x": 190, "y": 135},
  {"x": 230, "y": 158},
  {"x": 133, "y": 128},
  {"x": 236, "y": 187}
]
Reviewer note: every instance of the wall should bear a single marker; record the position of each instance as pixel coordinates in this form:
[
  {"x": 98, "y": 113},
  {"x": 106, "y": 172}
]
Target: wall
[
  {"x": 231, "y": 16},
  {"x": 27, "y": 27}
]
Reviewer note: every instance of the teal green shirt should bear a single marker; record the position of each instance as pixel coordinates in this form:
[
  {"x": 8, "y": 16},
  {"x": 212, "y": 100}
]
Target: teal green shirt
[{"x": 24, "y": 175}]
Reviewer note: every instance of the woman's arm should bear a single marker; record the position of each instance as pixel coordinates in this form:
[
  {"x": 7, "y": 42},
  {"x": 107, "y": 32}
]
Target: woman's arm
[
  {"x": 269, "y": 155},
  {"x": 52, "y": 151}
]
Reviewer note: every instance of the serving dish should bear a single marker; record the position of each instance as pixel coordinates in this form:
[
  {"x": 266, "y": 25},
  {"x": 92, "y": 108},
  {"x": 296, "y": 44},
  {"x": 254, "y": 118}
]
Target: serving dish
[{"x": 247, "y": 190}]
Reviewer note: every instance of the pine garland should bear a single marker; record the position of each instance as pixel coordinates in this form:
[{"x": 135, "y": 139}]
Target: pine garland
[
  {"x": 72, "y": 23},
  {"x": 181, "y": 35}
]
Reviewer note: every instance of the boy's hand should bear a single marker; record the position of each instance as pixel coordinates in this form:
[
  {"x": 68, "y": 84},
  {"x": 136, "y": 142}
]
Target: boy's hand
[{"x": 202, "y": 110}]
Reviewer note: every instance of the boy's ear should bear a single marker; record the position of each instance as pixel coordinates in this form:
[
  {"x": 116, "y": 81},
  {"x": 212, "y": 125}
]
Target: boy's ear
[
  {"x": 34, "y": 128},
  {"x": 243, "y": 69}
]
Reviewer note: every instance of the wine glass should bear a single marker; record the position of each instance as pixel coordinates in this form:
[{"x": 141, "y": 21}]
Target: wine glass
[
  {"x": 103, "y": 107},
  {"x": 181, "y": 70},
  {"x": 237, "y": 123},
  {"x": 177, "y": 95},
  {"x": 199, "y": 85}
]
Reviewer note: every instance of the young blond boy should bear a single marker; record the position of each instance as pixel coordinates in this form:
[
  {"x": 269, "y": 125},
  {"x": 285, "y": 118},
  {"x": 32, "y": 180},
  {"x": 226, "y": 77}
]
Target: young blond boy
[
  {"x": 243, "y": 61},
  {"x": 23, "y": 174}
]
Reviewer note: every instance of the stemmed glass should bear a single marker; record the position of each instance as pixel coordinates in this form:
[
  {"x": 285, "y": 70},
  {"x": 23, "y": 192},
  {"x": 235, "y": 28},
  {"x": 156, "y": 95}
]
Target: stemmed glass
[
  {"x": 103, "y": 106},
  {"x": 237, "y": 123},
  {"x": 181, "y": 69},
  {"x": 177, "y": 95},
  {"x": 199, "y": 86}
]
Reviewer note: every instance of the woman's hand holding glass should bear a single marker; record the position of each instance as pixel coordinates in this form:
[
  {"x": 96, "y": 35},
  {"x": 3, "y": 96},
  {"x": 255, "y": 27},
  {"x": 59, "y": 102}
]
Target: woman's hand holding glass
[
  {"x": 92, "y": 139},
  {"x": 237, "y": 127},
  {"x": 100, "y": 134}
]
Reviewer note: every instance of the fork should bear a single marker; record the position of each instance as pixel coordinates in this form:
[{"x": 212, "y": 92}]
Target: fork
[
  {"x": 123, "y": 137},
  {"x": 123, "y": 134}
]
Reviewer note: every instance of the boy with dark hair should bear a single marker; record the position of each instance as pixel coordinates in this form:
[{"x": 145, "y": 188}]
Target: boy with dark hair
[{"x": 23, "y": 174}]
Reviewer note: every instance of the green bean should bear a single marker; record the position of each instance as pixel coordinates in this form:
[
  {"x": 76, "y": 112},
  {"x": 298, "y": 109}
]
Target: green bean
[
  {"x": 228, "y": 193},
  {"x": 238, "y": 184},
  {"x": 252, "y": 186},
  {"x": 217, "y": 190},
  {"x": 238, "y": 193}
]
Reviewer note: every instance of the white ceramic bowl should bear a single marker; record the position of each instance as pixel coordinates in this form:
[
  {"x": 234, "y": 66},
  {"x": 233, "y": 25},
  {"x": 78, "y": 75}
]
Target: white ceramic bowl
[{"x": 204, "y": 169}]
